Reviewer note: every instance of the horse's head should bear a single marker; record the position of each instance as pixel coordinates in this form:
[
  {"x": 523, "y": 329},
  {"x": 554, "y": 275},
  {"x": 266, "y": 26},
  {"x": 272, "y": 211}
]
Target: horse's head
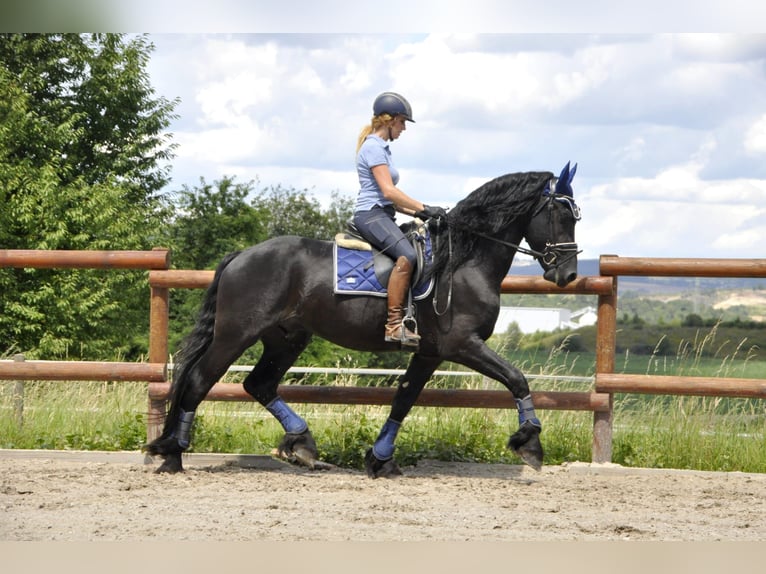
[{"x": 551, "y": 231}]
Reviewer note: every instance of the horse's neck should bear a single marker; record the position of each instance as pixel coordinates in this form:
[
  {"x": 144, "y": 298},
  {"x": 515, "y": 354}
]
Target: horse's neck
[
  {"x": 502, "y": 252},
  {"x": 495, "y": 260},
  {"x": 481, "y": 252},
  {"x": 502, "y": 266}
]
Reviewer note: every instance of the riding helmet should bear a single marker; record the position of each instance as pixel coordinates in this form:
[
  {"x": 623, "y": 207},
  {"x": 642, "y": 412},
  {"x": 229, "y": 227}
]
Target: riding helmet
[{"x": 393, "y": 104}]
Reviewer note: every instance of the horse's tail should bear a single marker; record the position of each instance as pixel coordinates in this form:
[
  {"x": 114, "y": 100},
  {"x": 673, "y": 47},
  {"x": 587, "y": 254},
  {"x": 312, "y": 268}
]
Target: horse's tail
[{"x": 192, "y": 348}]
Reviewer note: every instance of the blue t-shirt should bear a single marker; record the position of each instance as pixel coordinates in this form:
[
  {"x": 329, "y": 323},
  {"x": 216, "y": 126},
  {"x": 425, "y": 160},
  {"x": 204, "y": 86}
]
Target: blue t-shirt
[{"x": 374, "y": 151}]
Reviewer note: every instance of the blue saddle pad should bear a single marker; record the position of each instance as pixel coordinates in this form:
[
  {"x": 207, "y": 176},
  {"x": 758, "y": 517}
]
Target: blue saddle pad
[{"x": 355, "y": 273}]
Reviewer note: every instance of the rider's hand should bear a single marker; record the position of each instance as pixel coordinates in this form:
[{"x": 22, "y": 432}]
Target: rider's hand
[{"x": 432, "y": 212}]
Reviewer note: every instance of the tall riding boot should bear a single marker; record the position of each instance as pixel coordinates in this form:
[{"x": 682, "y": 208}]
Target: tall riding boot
[{"x": 398, "y": 283}]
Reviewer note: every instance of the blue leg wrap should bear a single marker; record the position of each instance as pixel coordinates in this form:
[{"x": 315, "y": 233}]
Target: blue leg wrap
[
  {"x": 291, "y": 422},
  {"x": 527, "y": 411},
  {"x": 383, "y": 449},
  {"x": 182, "y": 433}
]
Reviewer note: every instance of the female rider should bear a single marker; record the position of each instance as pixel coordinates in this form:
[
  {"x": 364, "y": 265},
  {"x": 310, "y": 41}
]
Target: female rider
[{"x": 378, "y": 200}]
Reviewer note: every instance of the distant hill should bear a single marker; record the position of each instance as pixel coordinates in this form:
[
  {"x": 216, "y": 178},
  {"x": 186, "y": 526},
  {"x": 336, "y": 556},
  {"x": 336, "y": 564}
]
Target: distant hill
[{"x": 649, "y": 285}]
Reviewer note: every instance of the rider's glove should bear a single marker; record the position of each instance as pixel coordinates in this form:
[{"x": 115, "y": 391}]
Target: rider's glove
[{"x": 432, "y": 212}]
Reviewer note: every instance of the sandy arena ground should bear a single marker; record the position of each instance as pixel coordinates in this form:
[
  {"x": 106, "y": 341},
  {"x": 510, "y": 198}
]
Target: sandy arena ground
[{"x": 115, "y": 497}]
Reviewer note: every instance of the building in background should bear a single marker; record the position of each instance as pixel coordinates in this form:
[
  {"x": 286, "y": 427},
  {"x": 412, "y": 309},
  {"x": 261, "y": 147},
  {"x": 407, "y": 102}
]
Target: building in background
[{"x": 533, "y": 319}]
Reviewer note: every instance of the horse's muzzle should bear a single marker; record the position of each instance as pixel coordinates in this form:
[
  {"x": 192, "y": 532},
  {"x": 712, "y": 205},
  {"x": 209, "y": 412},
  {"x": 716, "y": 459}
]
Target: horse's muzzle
[
  {"x": 560, "y": 277},
  {"x": 560, "y": 263}
]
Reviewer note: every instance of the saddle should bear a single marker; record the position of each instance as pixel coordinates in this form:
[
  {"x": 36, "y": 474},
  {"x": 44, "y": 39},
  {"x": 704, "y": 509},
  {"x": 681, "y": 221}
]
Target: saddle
[{"x": 361, "y": 269}]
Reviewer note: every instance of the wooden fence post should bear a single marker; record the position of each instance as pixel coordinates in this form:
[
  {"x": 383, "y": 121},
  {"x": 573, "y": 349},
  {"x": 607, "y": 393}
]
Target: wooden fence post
[
  {"x": 158, "y": 352},
  {"x": 18, "y": 396},
  {"x": 606, "y": 340}
]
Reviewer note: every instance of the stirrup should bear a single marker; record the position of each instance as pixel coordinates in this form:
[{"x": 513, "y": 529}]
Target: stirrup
[
  {"x": 410, "y": 324},
  {"x": 403, "y": 336}
]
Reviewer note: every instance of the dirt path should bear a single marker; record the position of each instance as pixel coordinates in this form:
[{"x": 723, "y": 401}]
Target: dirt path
[{"x": 76, "y": 499}]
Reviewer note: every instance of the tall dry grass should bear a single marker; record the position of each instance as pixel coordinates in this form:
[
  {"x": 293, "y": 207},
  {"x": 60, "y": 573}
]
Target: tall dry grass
[{"x": 649, "y": 431}]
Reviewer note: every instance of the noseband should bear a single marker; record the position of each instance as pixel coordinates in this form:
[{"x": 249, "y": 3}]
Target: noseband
[{"x": 555, "y": 254}]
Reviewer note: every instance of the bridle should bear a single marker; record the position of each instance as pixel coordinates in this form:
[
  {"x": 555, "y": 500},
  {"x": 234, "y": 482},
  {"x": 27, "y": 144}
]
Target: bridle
[
  {"x": 555, "y": 254},
  {"x": 552, "y": 257}
]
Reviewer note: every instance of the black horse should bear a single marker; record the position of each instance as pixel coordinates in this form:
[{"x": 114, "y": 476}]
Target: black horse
[{"x": 281, "y": 293}]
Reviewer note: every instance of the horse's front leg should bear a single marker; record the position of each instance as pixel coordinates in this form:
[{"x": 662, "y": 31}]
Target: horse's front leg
[
  {"x": 379, "y": 460},
  {"x": 525, "y": 442}
]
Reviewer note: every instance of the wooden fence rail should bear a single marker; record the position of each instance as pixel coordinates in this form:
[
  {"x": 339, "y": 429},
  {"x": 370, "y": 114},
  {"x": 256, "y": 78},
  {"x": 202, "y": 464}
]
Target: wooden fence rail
[
  {"x": 613, "y": 265},
  {"x": 339, "y": 395},
  {"x": 74, "y": 259},
  {"x": 82, "y": 371},
  {"x": 670, "y": 385}
]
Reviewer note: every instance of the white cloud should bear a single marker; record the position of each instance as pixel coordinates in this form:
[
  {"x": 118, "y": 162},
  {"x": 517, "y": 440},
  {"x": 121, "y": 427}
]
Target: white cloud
[
  {"x": 225, "y": 56},
  {"x": 721, "y": 47},
  {"x": 669, "y": 131},
  {"x": 228, "y": 102},
  {"x": 742, "y": 241},
  {"x": 633, "y": 151},
  {"x": 675, "y": 214},
  {"x": 356, "y": 77},
  {"x": 443, "y": 76},
  {"x": 220, "y": 145},
  {"x": 755, "y": 139},
  {"x": 234, "y": 79}
]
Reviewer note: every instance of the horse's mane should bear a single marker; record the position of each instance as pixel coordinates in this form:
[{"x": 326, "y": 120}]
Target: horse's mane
[{"x": 490, "y": 209}]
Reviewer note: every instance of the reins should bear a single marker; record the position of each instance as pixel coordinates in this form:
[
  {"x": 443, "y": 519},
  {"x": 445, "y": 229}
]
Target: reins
[{"x": 436, "y": 284}]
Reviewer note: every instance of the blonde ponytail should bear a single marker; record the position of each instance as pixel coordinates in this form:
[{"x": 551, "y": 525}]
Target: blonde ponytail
[
  {"x": 366, "y": 130},
  {"x": 374, "y": 124}
]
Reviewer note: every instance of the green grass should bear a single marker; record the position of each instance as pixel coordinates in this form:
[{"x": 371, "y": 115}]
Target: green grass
[
  {"x": 73, "y": 415},
  {"x": 703, "y": 433},
  {"x": 559, "y": 362},
  {"x": 661, "y": 432}
]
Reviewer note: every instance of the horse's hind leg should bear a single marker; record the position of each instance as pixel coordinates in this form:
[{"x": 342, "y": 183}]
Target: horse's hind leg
[
  {"x": 280, "y": 351},
  {"x": 197, "y": 382}
]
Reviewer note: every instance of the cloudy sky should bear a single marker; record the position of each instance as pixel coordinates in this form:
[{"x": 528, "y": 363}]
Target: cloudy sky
[{"x": 669, "y": 130}]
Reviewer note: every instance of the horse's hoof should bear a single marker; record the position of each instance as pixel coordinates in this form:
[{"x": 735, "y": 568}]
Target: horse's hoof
[
  {"x": 525, "y": 443},
  {"x": 303, "y": 457},
  {"x": 171, "y": 465},
  {"x": 301, "y": 448},
  {"x": 380, "y": 468},
  {"x": 170, "y": 451},
  {"x": 313, "y": 463}
]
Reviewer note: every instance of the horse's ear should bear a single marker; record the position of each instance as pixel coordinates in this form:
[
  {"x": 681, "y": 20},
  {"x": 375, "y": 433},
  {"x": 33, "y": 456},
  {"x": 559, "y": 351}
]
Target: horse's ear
[
  {"x": 572, "y": 172},
  {"x": 562, "y": 184}
]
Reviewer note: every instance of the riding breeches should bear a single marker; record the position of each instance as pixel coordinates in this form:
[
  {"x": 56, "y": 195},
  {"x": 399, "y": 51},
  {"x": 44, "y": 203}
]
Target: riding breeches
[{"x": 379, "y": 227}]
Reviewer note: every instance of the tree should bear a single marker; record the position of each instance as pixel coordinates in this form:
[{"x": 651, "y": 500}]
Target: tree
[
  {"x": 82, "y": 147},
  {"x": 215, "y": 219},
  {"x": 212, "y": 220},
  {"x": 693, "y": 320},
  {"x": 295, "y": 212}
]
